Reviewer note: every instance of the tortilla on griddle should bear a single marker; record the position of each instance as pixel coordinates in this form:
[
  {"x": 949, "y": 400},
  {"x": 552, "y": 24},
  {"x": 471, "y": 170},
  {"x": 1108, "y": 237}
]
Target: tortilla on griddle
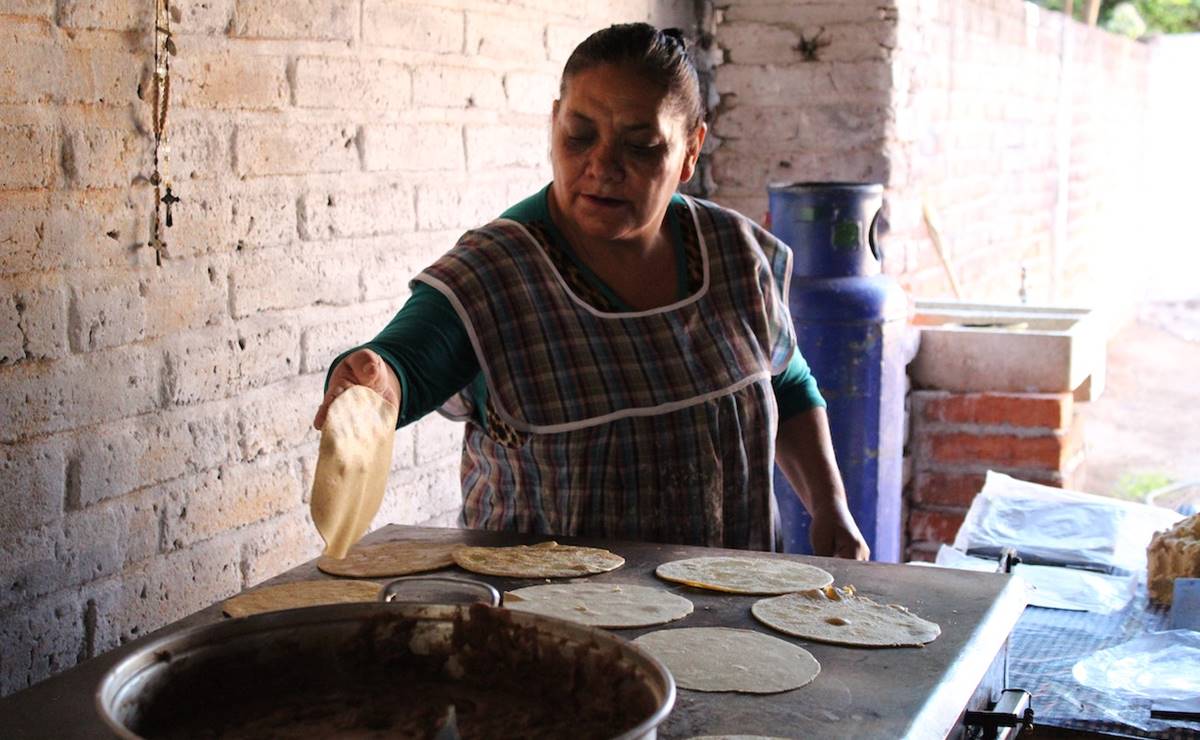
[
  {"x": 387, "y": 559},
  {"x": 842, "y": 617},
  {"x": 726, "y": 659},
  {"x": 300, "y": 594},
  {"x": 610, "y": 605},
  {"x": 543, "y": 560},
  {"x": 745, "y": 575},
  {"x": 352, "y": 467}
]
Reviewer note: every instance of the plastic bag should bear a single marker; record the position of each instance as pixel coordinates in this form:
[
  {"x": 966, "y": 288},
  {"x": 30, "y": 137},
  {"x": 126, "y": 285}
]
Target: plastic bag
[
  {"x": 1157, "y": 666},
  {"x": 1044, "y": 648},
  {"x": 1055, "y": 587},
  {"x": 1060, "y": 526}
]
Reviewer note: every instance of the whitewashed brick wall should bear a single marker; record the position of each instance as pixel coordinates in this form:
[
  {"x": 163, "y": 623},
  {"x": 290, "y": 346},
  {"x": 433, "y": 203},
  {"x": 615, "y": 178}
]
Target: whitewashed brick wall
[
  {"x": 784, "y": 118},
  {"x": 155, "y": 442},
  {"x": 955, "y": 103},
  {"x": 995, "y": 101}
]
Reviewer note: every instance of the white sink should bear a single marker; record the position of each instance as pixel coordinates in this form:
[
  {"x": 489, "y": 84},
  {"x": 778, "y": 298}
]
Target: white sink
[{"x": 977, "y": 347}]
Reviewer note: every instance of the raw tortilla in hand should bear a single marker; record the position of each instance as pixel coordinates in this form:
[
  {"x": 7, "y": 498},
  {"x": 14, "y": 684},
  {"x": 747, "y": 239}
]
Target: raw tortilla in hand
[
  {"x": 352, "y": 467},
  {"x": 726, "y": 659},
  {"x": 842, "y": 617}
]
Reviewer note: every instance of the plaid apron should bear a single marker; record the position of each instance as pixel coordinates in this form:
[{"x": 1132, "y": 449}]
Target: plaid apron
[{"x": 654, "y": 425}]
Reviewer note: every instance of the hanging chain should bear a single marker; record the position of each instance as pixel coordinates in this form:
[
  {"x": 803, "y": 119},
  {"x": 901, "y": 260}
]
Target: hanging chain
[{"x": 164, "y": 49}]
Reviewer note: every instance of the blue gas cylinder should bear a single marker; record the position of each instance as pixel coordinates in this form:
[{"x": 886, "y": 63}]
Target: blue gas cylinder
[{"x": 851, "y": 327}]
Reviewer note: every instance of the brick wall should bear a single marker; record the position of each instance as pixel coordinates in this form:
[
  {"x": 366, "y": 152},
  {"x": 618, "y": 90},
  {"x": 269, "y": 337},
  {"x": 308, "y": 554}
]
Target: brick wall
[
  {"x": 155, "y": 442},
  {"x": 955, "y": 438},
  {"x": 1025, "y": 138}
]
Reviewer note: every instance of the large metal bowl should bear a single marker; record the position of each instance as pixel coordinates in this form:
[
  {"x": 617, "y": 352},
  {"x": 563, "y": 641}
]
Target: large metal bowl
[{"x": 387, "y": 670}]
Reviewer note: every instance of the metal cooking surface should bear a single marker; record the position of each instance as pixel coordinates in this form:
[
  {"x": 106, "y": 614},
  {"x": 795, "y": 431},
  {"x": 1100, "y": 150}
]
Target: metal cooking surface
[{"x": 859, "y": 693}]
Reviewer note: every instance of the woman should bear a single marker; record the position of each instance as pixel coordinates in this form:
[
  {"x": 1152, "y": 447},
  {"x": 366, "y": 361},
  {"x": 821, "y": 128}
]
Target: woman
[{"x": 620, "y": 353}]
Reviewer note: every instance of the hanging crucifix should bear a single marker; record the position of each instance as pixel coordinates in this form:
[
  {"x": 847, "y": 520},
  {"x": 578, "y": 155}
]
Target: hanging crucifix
[
  {"x": 169, "y": 200},
  {"x": 164, "y": 48}
]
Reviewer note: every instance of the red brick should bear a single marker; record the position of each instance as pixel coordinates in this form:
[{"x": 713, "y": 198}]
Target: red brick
[
  {"x": 1040, "y": 452},
  {"x": 1029, "y": 410},
  {"x": 929, "y": 525},
  {"x": 947, "y": 489}
]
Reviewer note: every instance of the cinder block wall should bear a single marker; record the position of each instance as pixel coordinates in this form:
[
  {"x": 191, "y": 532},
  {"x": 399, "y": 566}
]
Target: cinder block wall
[
  {"x": 155, "y": 440},
  {"x": 1025, "y": 141}
]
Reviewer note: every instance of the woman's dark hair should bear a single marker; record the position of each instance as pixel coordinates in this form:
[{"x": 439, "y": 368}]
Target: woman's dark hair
[{"x": 659, "y": 55}]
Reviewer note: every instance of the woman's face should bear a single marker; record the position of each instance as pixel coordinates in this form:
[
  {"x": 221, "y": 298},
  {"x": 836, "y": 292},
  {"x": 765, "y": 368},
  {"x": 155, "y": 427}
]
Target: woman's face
[{"x": 619, "y": 150}]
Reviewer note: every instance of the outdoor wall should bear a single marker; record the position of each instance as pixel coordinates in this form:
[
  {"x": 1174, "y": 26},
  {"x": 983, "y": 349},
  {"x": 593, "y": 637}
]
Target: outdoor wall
[
  {"x": 1023, "y": 138},
  {"x": 155, "y": 440},
  {"x": 782, "y": 117}
]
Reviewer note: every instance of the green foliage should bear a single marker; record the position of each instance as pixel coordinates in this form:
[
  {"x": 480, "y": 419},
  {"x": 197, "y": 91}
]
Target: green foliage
[
  {"x": 1135, "y": 486},
  {"x": 1126, "y": 21},
  {"x": 1159, "y": 16}
]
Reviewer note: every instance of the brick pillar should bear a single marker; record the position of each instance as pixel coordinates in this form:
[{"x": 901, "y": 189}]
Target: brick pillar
[{"x": 957, "y": 437}]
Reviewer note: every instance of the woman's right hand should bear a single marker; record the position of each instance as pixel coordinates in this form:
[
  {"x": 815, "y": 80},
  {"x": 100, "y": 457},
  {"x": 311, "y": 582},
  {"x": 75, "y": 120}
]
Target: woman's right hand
[{"x": 361, "y": 367}]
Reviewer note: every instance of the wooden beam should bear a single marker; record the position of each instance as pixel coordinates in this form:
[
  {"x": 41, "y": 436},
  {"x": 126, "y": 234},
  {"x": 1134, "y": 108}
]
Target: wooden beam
[
  {"x": 1093, "y": 12},
  {"x": 935, "y": 236},
  {"x": 1069, "y": 9}
]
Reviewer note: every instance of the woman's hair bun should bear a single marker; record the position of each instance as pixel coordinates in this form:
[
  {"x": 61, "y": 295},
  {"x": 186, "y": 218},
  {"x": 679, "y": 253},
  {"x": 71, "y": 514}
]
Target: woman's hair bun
[
  {"x": 660, "y": 57},
  {"x": 676, "y": 35}
]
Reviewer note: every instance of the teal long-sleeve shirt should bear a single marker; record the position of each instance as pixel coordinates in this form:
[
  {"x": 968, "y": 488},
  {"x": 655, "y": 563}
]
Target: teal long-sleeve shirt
[{"x": 427, "y": 345}]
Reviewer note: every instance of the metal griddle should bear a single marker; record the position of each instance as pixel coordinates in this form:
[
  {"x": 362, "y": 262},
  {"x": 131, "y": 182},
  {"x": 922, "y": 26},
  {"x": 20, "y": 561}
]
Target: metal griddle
[{"x": 861, "y": 693}]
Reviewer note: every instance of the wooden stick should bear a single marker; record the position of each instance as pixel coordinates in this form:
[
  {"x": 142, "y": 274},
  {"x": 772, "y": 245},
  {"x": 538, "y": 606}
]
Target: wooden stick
[
  {"x": 931, "y": 224},
  {"x": 1093, "y": 12},
  {"x": 1069, "y": 9}
]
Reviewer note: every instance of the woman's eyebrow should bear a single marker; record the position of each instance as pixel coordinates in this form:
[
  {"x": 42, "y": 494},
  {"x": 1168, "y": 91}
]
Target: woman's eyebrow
[{"x": 628, "y": 129}]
